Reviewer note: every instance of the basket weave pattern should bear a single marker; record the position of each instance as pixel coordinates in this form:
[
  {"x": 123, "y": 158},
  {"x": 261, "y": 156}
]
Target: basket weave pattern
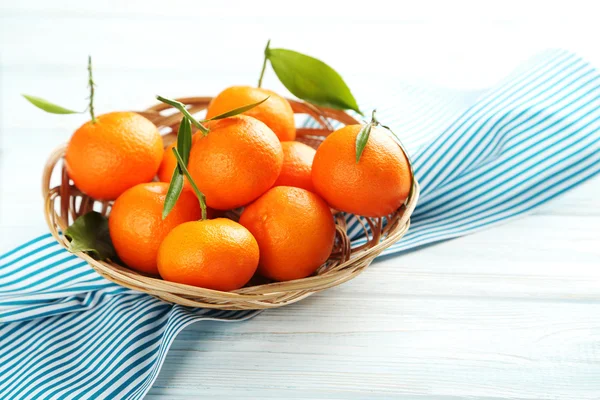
[{"x": 64, "y": 203}]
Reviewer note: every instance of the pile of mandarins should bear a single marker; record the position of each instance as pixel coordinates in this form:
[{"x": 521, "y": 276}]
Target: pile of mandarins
[
  {"x": 286, "y": 229},
  {"x": 287, "y": 192}
]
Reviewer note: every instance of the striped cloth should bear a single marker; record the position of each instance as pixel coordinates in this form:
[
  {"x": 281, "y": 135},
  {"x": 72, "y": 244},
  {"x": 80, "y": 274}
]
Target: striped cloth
[{"x": 481, "y": 159}]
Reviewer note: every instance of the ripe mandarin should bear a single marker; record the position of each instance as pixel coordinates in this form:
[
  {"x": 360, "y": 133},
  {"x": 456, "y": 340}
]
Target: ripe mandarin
[
  {"x": 237, "y": 161},
  {"x": 136, "y": 225},
  {"x": 294, "y": 229},
  {"x": 375, "y": 186},
  {"x": 217, "y": 254},
  {"x": 276, "y": 112},
  {"x": 297, "y": 164},
  {"x": 120, "y": 150}
]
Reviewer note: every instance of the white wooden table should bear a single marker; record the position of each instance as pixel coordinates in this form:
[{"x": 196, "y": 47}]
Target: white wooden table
[{"x": 511, "y": 312}]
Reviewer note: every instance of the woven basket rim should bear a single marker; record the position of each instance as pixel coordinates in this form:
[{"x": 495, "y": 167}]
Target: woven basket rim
[{"x": 269, "y": 295}]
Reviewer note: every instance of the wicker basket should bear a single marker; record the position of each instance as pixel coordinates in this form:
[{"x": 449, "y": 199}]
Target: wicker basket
[{"x": 64, "y": 203}]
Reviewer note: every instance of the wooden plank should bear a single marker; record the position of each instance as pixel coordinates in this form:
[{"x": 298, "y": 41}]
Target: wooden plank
[{"x": 494, "y": 348}]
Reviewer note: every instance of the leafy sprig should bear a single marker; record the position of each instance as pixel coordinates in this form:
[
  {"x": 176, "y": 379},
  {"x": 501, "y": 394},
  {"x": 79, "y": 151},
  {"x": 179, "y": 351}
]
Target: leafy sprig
[
  {"x": 309, "y": 79},
  {"x": 182, "y": 109},
  {"x": 184, "y": 144},
  {"x": 182, "y": 155},
  {"x": 199, "y": 124},
  {"x": 52, "y": 108},
  {"x": 363, "y": 137},
  {"x": 199, "y": 194},
  {"x": 183, "y": 148},
  {"x": 365, "y": 131},
  {"x": 236, "y": 111}
]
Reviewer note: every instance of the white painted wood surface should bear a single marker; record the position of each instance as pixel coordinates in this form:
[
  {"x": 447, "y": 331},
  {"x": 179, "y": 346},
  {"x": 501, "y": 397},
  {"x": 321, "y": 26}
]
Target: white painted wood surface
[{"x": 509, "y": 313}]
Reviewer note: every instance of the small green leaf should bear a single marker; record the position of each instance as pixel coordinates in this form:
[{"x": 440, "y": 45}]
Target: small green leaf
[
  {"x": 184, "y": 145},
  {"x": 49, "y": 107},
  {"x": 236, "y": 111},
  {"x": 361, "y": 140},
  {"x": 175, "y": 188},
  {"x": 89, "y": 233},
  {"x": 311, "y": 79},
  {"x": 184, "y": 139}
]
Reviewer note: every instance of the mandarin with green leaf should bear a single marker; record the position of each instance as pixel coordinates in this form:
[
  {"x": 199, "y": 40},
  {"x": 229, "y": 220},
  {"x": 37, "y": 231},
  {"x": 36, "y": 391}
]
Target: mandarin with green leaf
[
  {"x": 375, "y": 186},
  {"x": 110, "y": 153},
  {"x": 116, "y": 152}
]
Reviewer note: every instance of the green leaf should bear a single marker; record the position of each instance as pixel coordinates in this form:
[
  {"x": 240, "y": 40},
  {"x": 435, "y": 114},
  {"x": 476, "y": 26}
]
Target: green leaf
[
  {"x": 236, "y": 111},
  {"x": 49, "y": 107},
  {"x": 184, "y": 145},
  {"x": 184, "y": 139},
  {"x": 89, "y": 234},
  {"x": 311, "y": 79},
  {"x": 361, "y": 140},
  {"x": 175, "y": 188},
  {"x": 199, "y": 194}
]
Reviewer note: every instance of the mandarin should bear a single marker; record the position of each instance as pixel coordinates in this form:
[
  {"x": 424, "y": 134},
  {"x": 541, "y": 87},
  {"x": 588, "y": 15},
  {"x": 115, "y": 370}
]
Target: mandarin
[
  {"x": 117, "y": 152},
  {"x": 136, "y": 226},
  {"x": 297, "y": 164},
  {"x": 217, "y": 254},
  {"x": 237, "y": 161},
  {"x": 276, "y": 112},
  {"x": 294, "y": 229},
  {"x": 375, "y": 186}
]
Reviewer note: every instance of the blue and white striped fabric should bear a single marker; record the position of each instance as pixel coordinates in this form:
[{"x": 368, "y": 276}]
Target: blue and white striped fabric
[{"x": 67, "y": 333}]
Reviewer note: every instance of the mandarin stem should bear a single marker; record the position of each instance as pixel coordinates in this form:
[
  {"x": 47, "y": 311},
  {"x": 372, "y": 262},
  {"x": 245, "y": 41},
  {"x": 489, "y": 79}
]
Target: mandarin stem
[
  {"x": 264, "y": 66},
  {"x": 91, "y": 85},
  {"x": 199, "y": 194},
  {"x": 236, "y": 111},
  {"x": 373, "y": 118},
  {"x": 181, "y": 107}
]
